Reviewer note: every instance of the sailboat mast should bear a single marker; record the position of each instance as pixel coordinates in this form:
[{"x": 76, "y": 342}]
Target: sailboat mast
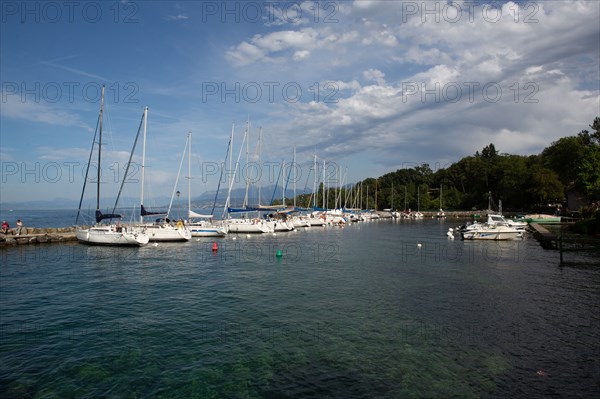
[
  {"x": 294, "y": 165},
  {"x": 189, "y": 173},
  {"x": 143, "y": 162},
  {"x": 230, "y": 152},
  {"x": 283, "y": 185},
  {"x": 376, "y": 181},
  {"x": 324, "y": 185},
  {"x": 315, "y": 184},
  {"x": 259, "y": 148},
  {"x": 237, "y": 164},
  {"x": 99, "y": 150},
  {"x": 247, "y": 152}
]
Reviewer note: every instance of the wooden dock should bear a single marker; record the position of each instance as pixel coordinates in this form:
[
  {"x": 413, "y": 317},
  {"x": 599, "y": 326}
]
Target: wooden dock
[
  {"x": 585, "y": 250},
  {"x": 547, "y": 239}
]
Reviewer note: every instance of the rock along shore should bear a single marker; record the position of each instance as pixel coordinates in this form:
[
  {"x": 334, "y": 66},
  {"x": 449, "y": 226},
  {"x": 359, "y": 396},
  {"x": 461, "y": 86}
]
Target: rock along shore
[{"x": 35, "y": 235}]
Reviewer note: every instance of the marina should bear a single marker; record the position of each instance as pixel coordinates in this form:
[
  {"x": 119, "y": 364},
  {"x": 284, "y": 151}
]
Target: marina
[{"x": 340, "y": 199}]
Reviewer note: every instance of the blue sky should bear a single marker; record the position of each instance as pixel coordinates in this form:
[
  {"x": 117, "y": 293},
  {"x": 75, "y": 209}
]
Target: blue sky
[{"x": 371, "y": 85}]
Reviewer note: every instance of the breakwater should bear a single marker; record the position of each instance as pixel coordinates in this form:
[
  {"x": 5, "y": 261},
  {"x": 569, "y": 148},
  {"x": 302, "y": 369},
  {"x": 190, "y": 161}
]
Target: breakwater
[{"x": 35, "y": 235}]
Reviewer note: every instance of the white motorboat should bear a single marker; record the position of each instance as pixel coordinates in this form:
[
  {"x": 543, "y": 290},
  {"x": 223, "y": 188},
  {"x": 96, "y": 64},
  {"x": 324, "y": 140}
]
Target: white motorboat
[
  {"x": 496, "y": 219},
  {"x": 490, "y": 232}
]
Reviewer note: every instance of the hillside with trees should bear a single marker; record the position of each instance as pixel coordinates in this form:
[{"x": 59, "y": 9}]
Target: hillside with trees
[
  {"x": 521, "y": 182},
  {"x": 568, "y": 165}
]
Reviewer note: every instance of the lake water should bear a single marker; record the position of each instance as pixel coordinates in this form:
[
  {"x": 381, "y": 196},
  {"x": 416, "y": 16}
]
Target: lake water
[{"x": 358, "y": 312}]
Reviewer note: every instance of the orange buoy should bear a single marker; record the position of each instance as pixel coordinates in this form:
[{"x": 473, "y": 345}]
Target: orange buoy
[{"x": 215, "y": 247}]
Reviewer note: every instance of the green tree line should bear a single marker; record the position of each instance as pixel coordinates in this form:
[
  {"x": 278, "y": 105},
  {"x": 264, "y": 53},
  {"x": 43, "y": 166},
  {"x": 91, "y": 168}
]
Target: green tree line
[{"x": 522, "y": 182}]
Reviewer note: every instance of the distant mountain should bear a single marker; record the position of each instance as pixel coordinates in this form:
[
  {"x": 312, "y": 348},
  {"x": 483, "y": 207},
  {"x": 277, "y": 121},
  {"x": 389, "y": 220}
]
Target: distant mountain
[
  {"x": 203, "y": 201},
  {"x": 206, "y": 199}
]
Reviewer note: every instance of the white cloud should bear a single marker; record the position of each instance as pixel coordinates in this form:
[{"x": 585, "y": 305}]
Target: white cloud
[
  {"x": 375, "y": 75},
  {"x": 244, "y": 53},
  {"x": 296, "y": 45},
  {"x": 14, "y": 107},
  {"x": 546, "y": 70},
  {"x": 301, "y": 54},
  {"x": 178, "y": 17}
]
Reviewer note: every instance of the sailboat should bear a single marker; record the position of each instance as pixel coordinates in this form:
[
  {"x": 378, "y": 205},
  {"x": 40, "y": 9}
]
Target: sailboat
[
  {"x": 162, "y": 229},
  {"x": 246, "y": 225},
  {"x": 107, "y": 234},
  {"x": 441, "y": 214},
  {"x": 204, "y": 227},
  {"x": 316, "y": 218},
  {"x": 418, "y": 214}
]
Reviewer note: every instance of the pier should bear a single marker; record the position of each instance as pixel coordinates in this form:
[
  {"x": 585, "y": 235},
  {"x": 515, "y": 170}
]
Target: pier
[
  {"x": 584, "y": 249},
  {"x": 547, "y": 239},
  {"x": 36, "y": 235}
]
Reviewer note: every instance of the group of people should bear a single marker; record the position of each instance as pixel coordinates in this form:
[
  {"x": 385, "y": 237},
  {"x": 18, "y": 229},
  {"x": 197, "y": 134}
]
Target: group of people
[{"x": 6, "y": 227}]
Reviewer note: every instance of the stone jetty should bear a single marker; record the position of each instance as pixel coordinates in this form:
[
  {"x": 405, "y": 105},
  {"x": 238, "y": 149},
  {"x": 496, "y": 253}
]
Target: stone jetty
[{"x": 35, "y": 235}]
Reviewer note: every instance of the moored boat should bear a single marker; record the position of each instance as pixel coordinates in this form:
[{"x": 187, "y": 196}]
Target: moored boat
[
  {"x": 483, "y": 231},
  {"x": 112, "y": 233}
]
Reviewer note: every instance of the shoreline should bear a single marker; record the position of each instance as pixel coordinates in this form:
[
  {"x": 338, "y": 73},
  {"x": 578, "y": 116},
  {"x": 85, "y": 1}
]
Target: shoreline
[
  {"x": 50, "y": 235},
  {"x": 37, "y": 235}
]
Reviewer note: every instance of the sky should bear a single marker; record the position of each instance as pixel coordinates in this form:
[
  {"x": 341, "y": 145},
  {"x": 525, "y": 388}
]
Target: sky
[{"x": 367, "y": 86}]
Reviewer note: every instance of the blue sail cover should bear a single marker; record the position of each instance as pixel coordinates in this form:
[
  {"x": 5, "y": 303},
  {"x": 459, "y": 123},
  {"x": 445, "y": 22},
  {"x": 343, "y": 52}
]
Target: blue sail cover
[
  {"x": 247, "y": 209},
  {"x": 144, "y": 212},
  {"x": 100, "y": 217}
]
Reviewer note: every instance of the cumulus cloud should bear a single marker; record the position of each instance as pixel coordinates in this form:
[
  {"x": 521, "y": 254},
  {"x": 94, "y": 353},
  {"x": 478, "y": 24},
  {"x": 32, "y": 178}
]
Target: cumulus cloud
[
  {"x": 376, "y": 75},
  {"x": 440, "y": 85}
]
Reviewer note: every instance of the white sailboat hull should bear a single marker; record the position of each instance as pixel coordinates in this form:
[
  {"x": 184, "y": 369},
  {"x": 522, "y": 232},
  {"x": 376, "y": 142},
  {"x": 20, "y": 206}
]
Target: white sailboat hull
[
  {"x": 167, "y": 233},
  {"x": 207, "y": 230},
  {"x": 110, "y": 235},
  {"x": 299, "y": 222},
  {"x": 316, "y": 221},
  {"x": 248, "y": 226},
  {"x": 279, "y": 225}
]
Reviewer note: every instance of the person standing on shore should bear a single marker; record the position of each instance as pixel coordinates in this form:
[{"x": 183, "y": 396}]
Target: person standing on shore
[
  {"x": 19, "y": 227},
  {"x": 5, "y": 227}
]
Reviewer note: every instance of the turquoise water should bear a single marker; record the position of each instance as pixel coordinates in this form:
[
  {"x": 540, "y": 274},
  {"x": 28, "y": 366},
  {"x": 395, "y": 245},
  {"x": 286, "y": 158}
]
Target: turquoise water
[{"x": 358, "y": 312}]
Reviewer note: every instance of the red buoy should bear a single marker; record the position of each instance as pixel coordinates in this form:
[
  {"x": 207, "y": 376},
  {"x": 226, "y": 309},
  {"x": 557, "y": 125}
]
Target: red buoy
[{"x": 215, "y": 247}]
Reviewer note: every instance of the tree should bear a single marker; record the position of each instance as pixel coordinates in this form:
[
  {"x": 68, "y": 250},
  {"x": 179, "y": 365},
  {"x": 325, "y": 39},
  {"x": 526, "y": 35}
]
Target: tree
[
  {"x": 596, "y": 128},
  {"x": 563, "y": 157},
  {"x": 588, "y": 176},
  {"x": 489, "y": 151},
  {"x": 544, "y": 186}
]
